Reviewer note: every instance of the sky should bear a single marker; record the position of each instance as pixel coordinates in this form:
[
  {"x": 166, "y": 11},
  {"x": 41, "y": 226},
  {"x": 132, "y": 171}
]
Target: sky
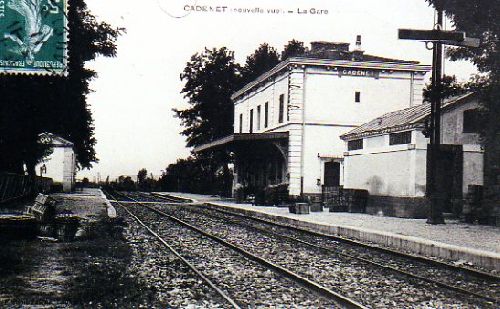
[{"x": 134, "y": 93}]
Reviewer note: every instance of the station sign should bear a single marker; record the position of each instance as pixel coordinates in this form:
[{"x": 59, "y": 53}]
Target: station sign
[{"x": 358, "y": 72}]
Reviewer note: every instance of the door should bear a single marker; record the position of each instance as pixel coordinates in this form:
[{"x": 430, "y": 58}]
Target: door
[
  {"x": 449, "y": 174},
  {"x": 332, "y": 174}
]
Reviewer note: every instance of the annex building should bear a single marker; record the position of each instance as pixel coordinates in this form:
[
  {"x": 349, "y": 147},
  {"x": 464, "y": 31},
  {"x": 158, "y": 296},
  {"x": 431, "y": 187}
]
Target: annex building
[
  {"x": 387, "y": 156},
  {"x": 288, "y": 121}
]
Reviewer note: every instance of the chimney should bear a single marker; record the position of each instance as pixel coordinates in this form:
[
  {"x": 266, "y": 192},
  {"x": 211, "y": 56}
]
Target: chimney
[
  {"x": 358, "y": 42},
  {"x": 357, "y": 53}
]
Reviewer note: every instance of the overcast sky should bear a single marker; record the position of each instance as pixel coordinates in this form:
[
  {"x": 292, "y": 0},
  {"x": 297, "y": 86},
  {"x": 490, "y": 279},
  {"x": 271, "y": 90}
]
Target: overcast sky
[{"x": 135, "y": 92}]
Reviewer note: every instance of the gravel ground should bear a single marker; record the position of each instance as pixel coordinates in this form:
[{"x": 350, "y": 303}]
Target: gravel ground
[
  {"x": 453, "y": 232},
  {"x": 247, "y": 282},
  {"x": 479, "y": 285},
  {"x": 174, "y": 285},
  {"x": 354, "y": 279}
]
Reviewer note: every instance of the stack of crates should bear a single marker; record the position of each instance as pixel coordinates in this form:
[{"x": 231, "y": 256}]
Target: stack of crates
[{"x": 43, "y": 209}]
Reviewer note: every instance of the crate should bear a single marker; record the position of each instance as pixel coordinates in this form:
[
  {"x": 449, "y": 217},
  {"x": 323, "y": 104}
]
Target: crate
[
  {"x": 299, "y": 208},
  {"x": 315, "y": 204},
  {"x": 43, "y": 209}
]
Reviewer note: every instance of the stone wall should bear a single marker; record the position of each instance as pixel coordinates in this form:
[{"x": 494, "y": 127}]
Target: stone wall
[{"x": 402, "y": 207}]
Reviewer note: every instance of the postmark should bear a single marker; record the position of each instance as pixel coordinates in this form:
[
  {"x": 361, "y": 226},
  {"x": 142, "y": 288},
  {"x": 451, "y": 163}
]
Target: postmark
[{"x": 33, "y": 37}]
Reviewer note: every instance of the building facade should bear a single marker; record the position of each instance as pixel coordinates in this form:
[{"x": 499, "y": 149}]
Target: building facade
[
  {"x": 288, "y": 122},
  {"x": 61, "y": 163},
  {"x": 388, "y": 157}
]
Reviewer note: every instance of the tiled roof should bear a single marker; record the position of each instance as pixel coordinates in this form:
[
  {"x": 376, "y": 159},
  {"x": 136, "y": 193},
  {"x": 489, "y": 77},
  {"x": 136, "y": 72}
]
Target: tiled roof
[
  {"x": 402, "y": 119},
  {"x": 350, "y": 55}
]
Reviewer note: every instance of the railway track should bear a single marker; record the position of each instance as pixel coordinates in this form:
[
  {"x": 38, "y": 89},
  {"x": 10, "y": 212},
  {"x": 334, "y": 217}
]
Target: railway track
[
  {"x": 465, "y": 282},
  {"x": 278, "y": 280}
]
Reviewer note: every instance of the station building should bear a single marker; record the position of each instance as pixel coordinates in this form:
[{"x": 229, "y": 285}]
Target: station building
[
  {"x": 288, "y": 121},
  {"x": 388, "y": 155}
]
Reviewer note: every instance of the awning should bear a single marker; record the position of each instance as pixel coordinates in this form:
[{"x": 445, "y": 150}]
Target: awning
[{"x": 242, "y": 137}]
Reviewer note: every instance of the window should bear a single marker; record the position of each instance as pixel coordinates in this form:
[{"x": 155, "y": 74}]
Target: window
[
  {"x": 266, "y": 114},
  {"x": 357, "y": 97},
  {"x": 258, "y": 118},
  {"x": 471, "y": 121},
  {"x": 251, "y": 121},
  {"x": 355, "y": 144},
  {"x": 282, "y": 108},
  {"x": 400, "y": 138},
  {"x": 241, "y": 123}
]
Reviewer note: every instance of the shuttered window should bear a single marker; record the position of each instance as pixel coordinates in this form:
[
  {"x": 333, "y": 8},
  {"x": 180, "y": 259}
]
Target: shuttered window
[
  {"x": 355, "y": 144},
  {"x": 400, "y": 138},
  {"x": 281, "y": 108}
]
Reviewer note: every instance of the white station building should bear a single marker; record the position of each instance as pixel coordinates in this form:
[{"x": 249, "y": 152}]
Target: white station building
[
  {"x": 388, "y": 155},
  {"x": 288, "y": 122}
]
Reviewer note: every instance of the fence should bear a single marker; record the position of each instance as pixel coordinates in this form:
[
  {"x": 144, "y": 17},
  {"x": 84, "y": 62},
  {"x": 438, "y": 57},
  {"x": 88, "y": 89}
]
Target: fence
[{"x": 13, "y": 186}]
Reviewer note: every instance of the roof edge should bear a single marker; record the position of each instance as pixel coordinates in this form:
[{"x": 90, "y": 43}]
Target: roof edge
[{"x": 307, "y": 61}]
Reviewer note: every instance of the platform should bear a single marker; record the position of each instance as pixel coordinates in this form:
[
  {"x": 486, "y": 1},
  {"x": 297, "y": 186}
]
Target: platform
[
  {"x": 459, "y": 242},
  {"x": 88, "y": 203}
]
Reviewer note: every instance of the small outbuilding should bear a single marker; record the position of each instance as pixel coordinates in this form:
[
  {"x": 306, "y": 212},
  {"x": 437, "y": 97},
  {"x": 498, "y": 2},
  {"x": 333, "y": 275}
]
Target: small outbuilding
[
  {"x": 388, "y": 155},
  {"x": 60, "y": 165}
]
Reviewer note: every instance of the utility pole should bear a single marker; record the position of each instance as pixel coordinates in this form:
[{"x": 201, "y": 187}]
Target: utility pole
[{"x": 437, "y": 37}]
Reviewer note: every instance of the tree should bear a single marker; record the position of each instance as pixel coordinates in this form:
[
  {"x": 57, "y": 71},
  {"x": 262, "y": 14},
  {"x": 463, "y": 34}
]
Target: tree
[
  {"x": 262, "y": 60},
  {"x": 449, "y": 87},
  {"x": 210, "y": 79},
  {"x": 292, "y": 49},
  {"x": 32, "y": 105},
  {"x": 142, "y": 175},
  {"x": 480, "y": 19}
]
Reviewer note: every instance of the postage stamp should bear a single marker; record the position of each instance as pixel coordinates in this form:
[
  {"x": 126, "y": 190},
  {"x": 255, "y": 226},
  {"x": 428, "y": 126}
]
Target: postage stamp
[{"x": 33, "y": 36}]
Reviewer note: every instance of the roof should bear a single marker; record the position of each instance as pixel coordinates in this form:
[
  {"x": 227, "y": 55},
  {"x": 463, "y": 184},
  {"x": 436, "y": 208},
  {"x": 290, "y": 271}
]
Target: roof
[
  {"x": 241, "y": 137},
  {"x": 352, "y": 56},
  {"x": 403, "y": 119},
  {"x": 54, "y": 140}
]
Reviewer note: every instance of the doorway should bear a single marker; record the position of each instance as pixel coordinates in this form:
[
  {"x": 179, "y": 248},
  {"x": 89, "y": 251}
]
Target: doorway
[{"x": 332, "y": 174}]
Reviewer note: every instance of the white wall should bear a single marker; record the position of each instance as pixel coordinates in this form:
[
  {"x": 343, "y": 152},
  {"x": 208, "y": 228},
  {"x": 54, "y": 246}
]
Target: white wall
[
  {"x": 452, "y": 133},
  {"x": 270, "y": 93},
  {"x": 329, "y": 110},
  {"x": 60, "y": 166},
  {"x": 383, "y": 169},
  {"x": 320, "y": 141},
  {"x": 54, "y": 165},
  {"x": 452, "y": 126},
  {"x": 330, "y": 98}
]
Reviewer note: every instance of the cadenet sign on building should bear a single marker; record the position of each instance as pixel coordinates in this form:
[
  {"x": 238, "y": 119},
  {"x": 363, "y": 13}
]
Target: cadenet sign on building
[
  {"x": 33, "y": 37},
  {"x": 358, "y": 72}
]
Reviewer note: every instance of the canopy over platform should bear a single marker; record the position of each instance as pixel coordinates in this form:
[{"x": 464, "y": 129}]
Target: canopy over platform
[{"x": 238, "y": 138}]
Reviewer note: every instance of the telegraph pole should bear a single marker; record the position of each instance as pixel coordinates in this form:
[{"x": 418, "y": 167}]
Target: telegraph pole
[
  {"x": 436, "y": 198},
  {"x": 438, "y": 37}
]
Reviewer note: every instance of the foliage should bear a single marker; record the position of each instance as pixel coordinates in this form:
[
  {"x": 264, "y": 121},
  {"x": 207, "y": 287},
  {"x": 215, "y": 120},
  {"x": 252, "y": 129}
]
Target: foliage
[
  {"x": 32, "y": 105},
  {"x": 210, "y": 79},
  {"x": 124, "y": 183},
  {"x": 142, "y": 175},
  {"x": 292, "y": 49},
  {"x": 479, "y": 19},
  {"x": 197, "y": 174},
  {"x": 262, "y": 60},
  {"x": 449, "y": 87}
]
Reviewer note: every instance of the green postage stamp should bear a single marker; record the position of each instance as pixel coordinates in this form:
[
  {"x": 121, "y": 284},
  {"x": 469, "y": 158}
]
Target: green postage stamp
[{"x": 33, "y": 36}]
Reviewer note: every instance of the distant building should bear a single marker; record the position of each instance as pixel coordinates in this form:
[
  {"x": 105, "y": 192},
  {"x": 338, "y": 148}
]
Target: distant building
[
  {"x": 288, "y": 122},
  {"x": 61, "y": 164},
  {"x": 388, "y": 155}
]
